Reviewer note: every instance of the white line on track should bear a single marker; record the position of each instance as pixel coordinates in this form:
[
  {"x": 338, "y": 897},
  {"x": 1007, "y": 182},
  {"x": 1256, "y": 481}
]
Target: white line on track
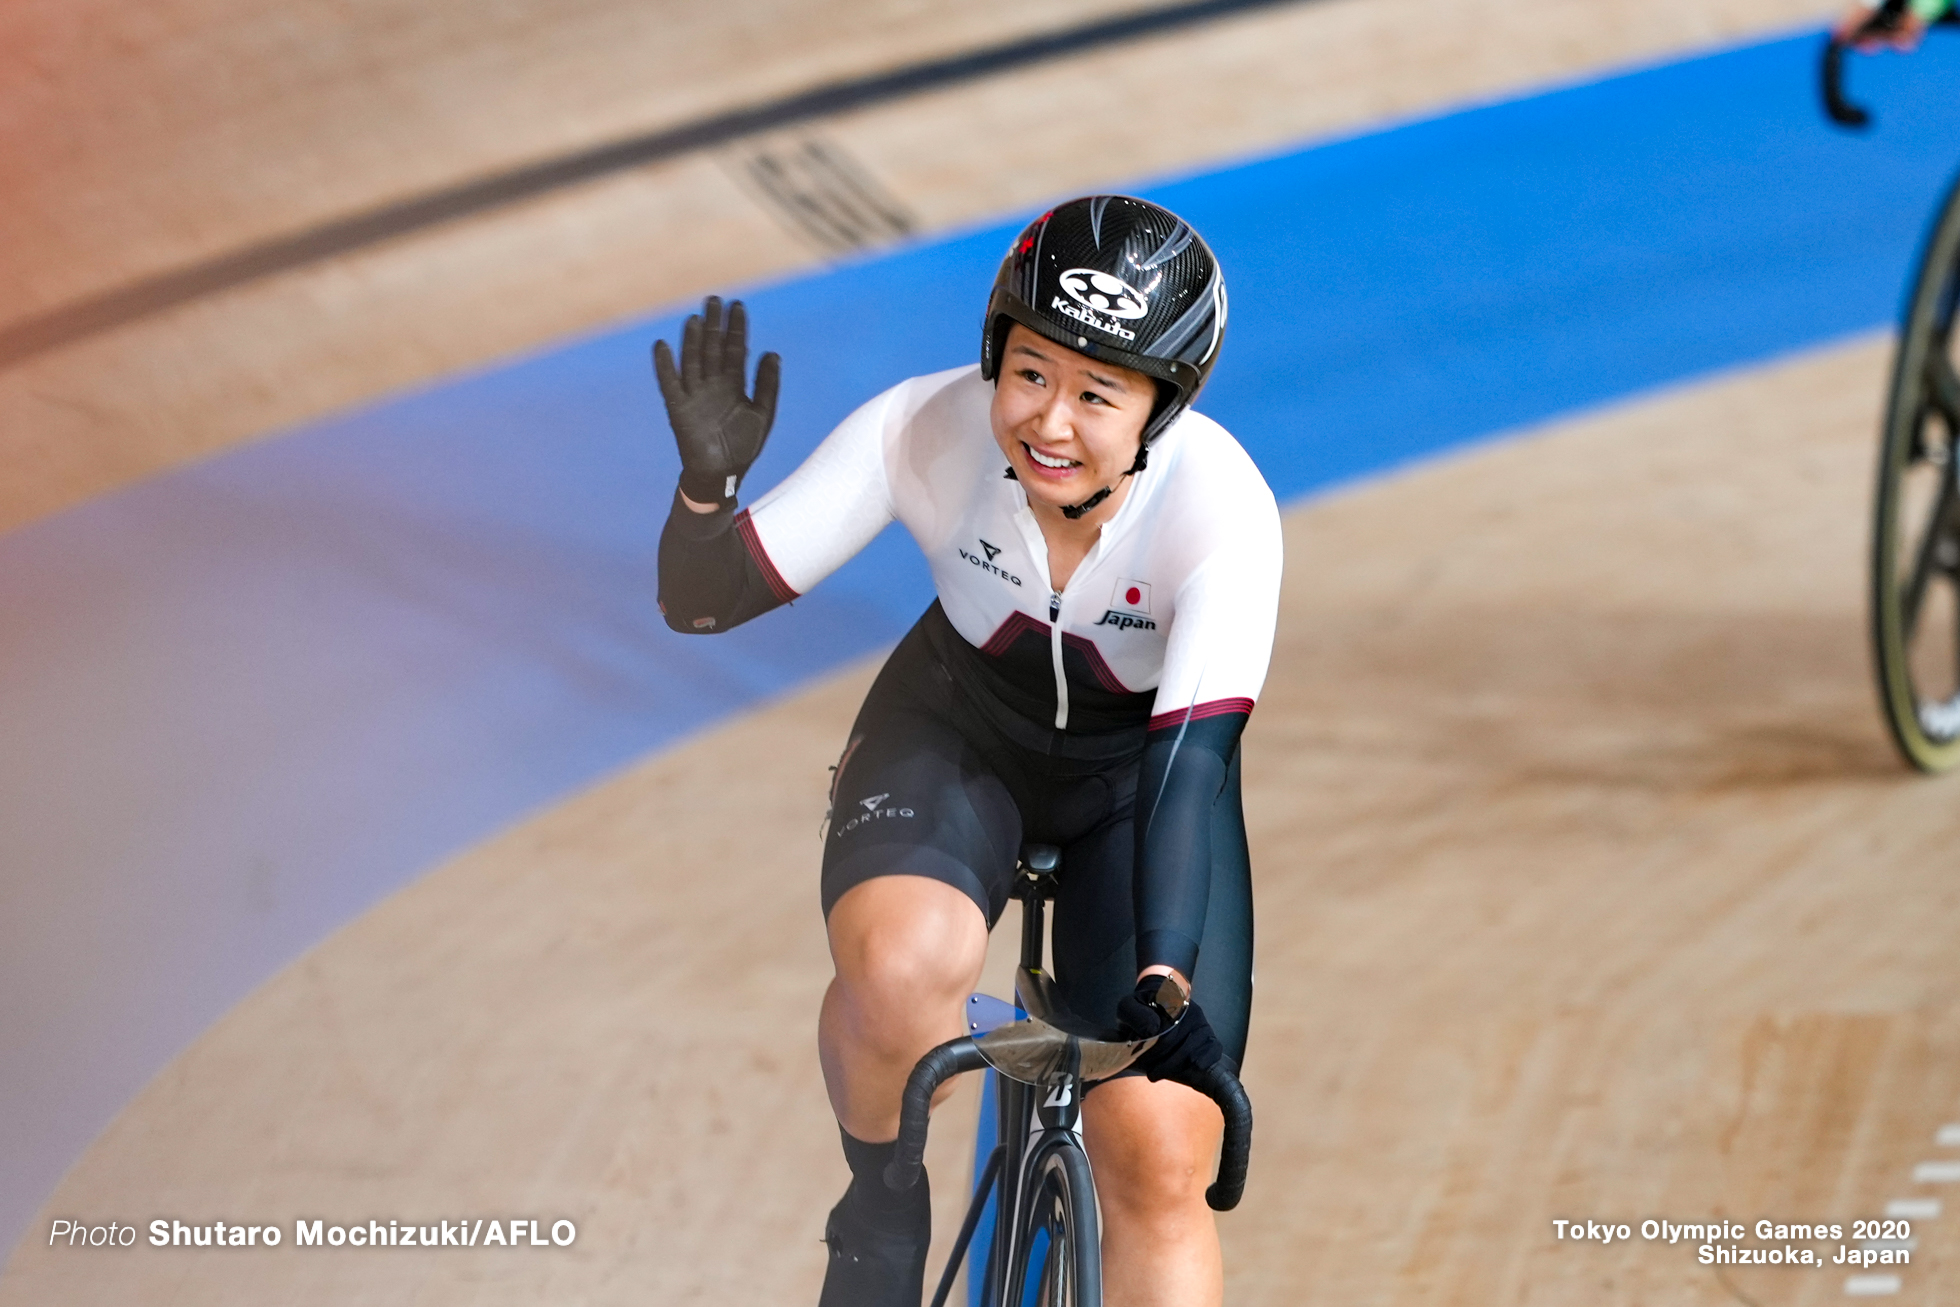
[
  {"x": 1871, "y": 1286},
  {"x": 1920, "y": 1209},
  {"x": 1914, "y": 1209}
]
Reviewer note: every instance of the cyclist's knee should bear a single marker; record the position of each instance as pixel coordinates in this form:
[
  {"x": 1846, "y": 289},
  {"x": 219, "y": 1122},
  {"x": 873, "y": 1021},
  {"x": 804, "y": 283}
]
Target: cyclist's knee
[
  {"x": 905, "y": 970},
  {"x": 1152, "y": 1147},
  {"x": 1151, "y": 1180},
  {"x": 907, "y": 939}
]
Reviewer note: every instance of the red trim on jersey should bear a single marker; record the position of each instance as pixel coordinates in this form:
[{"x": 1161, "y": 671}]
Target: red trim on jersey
[
  {"x": 777, "y": 586},
  {"x": 1017, "y": 624},
  {"x": 1211, "y": 708},
  {"x": 1104, "y": 676}
]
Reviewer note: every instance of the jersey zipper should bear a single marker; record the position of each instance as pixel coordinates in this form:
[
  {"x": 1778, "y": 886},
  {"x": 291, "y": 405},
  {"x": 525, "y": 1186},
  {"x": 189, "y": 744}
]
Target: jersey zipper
[{"x": 1055, "y": 648}]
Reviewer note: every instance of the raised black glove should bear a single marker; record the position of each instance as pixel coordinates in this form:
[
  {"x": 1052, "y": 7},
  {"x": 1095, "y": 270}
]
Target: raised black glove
[
  {"x": 719, "y": 429},
  {"x": 1186, "y": 1046}
]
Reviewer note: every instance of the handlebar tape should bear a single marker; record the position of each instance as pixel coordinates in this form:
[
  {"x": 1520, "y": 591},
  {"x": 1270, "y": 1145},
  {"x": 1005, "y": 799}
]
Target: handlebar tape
[
  {"x": 961, "y": 1055},
  {"x": 1223, "y": 1088},
  {"x": 1831, "y": 81},
  {"x": 934, "y": 1069}
]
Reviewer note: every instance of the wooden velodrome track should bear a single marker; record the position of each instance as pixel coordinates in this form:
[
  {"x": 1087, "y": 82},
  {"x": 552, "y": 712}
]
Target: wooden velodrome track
[{"x": 1588, "y": 887}]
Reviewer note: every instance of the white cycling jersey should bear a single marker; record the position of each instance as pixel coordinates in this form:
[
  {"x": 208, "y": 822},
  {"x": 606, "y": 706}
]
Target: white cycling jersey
[{"x": 1179, "y": 594}]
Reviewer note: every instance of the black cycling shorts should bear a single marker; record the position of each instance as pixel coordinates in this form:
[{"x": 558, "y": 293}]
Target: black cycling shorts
[{"x": 941, "y": 780}]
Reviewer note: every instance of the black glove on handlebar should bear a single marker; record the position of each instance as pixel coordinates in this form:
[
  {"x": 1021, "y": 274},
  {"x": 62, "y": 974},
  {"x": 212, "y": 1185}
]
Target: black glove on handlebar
[
  {"x": 719, "y": 429},
  {"x": 1186, "y": 1047}
]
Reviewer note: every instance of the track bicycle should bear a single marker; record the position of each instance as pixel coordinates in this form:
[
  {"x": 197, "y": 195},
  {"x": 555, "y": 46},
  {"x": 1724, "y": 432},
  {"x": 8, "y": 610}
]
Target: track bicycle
[
  {"x": 1915, "y": 549},
  {"x": 1046, "y": 1249}
]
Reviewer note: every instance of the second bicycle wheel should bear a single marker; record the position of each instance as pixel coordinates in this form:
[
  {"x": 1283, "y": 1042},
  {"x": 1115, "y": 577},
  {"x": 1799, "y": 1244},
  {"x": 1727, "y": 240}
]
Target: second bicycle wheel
[
  {"x": 1915, "y": 579},
  {"x": 1063, "y": 1265}
]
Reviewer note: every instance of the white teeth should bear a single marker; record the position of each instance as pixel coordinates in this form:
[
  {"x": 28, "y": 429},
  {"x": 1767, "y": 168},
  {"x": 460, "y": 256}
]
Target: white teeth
[{"x": 1044, "y": 461}]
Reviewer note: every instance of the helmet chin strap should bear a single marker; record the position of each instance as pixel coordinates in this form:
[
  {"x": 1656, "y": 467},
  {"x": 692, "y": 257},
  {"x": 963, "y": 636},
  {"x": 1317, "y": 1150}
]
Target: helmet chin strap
[{"x": 1074, "y": 512}]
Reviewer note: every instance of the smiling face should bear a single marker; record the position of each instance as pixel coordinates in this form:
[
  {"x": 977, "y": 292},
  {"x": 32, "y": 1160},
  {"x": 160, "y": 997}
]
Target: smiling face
[{"x": 1069, "y": 424}]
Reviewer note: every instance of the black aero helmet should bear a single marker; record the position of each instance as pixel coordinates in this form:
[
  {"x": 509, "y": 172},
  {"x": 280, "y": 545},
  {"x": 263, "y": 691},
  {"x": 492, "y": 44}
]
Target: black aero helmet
[{"x": 1120, "y": 279}]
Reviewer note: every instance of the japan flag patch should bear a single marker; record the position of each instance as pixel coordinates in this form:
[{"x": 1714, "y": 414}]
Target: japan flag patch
[{"x": 1131, "y": 596}]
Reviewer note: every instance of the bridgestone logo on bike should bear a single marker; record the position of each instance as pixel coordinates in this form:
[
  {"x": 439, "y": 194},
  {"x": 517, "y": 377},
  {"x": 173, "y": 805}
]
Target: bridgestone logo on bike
[
  {"x": 1087, "y": 318},
  {"x": 1124, "y": 622}
]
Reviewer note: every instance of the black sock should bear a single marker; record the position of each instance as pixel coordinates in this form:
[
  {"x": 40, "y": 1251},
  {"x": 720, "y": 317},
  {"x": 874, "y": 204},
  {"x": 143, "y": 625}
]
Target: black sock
[{"x": 891, "y": 1210}]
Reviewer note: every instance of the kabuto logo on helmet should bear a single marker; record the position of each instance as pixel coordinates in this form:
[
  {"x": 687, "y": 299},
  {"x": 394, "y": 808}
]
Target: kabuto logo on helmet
[
  {"x": 1090, "y": 318},
  {"x": 1104, "y": 293}
]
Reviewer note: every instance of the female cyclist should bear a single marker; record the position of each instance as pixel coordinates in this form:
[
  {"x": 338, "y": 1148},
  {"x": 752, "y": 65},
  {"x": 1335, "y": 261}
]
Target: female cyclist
[{"x": 1107, "y": 564}]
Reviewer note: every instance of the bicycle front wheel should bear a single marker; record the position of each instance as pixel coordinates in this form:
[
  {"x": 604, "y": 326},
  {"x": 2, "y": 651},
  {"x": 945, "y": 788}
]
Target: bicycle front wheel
[
  {"x": 1061, "y": 1264},
  {"x": 1915, "y": 577}
]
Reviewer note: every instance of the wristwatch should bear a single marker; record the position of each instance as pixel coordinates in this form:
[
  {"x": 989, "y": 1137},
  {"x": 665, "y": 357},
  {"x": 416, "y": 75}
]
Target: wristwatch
[{"x": 1170, "y": 999}]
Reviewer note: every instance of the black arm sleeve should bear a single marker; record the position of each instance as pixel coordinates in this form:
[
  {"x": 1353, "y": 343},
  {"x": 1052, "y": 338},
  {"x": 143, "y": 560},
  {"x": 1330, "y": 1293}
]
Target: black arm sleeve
[
  {"x": 1181, "y": 779},
  {"x": 710, "y": 576}
]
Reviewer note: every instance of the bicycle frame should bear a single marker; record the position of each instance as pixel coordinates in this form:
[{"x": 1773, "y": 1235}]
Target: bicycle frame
[
  {"x": 1016, "y": 1114},
  {"x": 1044, "y": 1060}
]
